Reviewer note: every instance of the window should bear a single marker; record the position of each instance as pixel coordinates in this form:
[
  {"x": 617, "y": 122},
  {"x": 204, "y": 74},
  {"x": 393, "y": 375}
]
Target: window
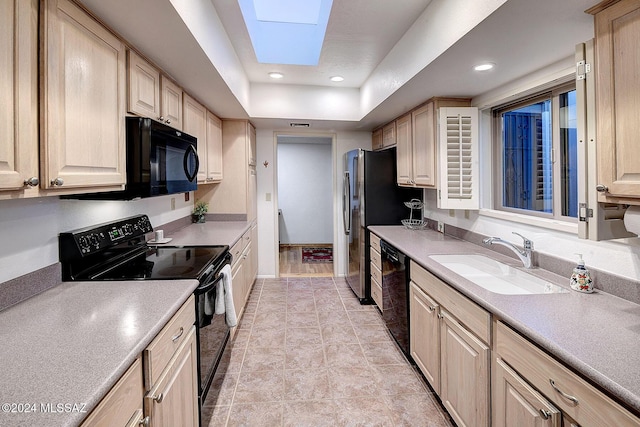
[{"x": 537, "y": 153}]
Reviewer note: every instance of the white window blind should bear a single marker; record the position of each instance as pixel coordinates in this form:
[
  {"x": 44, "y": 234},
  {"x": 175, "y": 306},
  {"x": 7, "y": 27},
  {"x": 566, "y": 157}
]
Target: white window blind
[{"x": 458, "y": 145}]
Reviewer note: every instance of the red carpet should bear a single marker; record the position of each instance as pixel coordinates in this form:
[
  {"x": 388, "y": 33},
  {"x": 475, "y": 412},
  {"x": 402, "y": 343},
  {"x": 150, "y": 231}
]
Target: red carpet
[{"x": 317, "y": 255}]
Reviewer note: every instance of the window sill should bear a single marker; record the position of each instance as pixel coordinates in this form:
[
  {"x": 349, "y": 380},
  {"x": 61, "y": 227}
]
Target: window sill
[{"x": 551, "y": 224}]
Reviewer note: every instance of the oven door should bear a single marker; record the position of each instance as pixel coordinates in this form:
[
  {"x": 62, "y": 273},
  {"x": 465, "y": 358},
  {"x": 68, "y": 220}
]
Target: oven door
[{"x": 212, "y": 334}]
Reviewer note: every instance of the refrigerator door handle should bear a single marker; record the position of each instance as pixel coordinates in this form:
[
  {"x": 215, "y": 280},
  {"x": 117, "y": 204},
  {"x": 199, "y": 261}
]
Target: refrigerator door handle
[{"x": 346, "y": 204}]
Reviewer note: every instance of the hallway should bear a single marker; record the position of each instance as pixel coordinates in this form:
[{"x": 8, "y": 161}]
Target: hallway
[{"x": 306, "y": 353}]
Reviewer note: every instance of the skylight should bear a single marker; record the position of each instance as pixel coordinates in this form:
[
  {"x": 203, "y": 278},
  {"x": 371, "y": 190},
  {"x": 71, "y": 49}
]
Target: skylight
[{"x": 286, "y": 31}]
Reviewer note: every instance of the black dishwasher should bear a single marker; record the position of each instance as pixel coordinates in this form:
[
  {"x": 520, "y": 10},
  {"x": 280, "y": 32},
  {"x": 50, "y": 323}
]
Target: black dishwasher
[{"x": 395, "y": 293}]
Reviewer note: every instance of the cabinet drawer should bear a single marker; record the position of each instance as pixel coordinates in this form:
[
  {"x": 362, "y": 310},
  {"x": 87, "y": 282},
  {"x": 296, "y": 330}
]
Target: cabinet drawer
[
  {"x": 466, "y": 311},
  {"x": 123, "y": 404},
  {"x": 239, "y": 246},
  {"x": 593, "y": 408},
  {"x": 374, "y": 241},
  {"x": 376, "y": 291},
  {"x": 164, "y": 345},
  {"x": 376, "y": 258},
  {"x": 376, "y": 274}
]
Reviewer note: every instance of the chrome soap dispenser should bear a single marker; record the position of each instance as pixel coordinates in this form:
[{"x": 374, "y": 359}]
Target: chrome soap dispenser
[{"x": 581, "y": 278}]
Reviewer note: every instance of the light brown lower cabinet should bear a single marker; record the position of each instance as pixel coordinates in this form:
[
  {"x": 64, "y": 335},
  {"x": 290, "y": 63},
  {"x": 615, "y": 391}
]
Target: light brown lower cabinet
[
  {"x": 425, "y": 334},
  {"x": 464, "y": 373},
  {"x": 170, "y": 377},
  {"x": 575, "y": 397},
  {"x": 122, "y": 406},
  {"x": 449, "y": 343},
  {"x": 173, "y": 401},
  {"x": 517, "y": 404}
]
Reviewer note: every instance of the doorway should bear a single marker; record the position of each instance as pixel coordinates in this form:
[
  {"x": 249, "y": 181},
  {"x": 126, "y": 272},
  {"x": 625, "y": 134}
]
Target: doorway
[{"x": 305, "y": 205}]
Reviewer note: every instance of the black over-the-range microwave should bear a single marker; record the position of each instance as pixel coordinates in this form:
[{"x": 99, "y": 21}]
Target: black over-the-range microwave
[{"x": 160, "y": 160}]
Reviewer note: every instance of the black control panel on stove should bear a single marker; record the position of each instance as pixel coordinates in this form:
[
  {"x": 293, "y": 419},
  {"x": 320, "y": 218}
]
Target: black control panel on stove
[{"x": 97, "y": 238}]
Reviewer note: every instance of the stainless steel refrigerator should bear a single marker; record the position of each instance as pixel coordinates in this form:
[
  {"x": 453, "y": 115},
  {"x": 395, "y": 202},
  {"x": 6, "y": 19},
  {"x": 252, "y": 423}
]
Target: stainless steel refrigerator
[{"x": 370, "y": 197}]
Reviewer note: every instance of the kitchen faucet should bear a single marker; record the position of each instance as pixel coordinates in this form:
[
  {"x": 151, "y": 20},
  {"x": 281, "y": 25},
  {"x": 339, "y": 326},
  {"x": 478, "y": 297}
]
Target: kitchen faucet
[{"x": 524, "y": 255}]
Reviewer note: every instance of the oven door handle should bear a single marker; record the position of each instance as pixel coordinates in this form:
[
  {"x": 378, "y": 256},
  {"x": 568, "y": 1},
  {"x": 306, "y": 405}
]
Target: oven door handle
[{"x": 203, "y": 289}]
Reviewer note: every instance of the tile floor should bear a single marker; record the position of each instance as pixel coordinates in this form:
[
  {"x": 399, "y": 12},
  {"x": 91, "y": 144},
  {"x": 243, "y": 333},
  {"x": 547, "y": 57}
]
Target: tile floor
[{"x": 306, "y": 353}]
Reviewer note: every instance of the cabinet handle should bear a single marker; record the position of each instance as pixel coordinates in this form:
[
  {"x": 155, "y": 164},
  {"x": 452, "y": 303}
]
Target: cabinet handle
[
  {"x": 159, "y": 398},
  {"x": 58, "y": 182},
  {"x": 161, "y": 118},
  {"x": 168, "y": 121},
  {"x": 145, "y": 421},
  {"x": 440, "y": 316},
  {"x": 31, "y": 182},
  {"x": 602, "y": 188},
  {"x": 431, "y": 309},
  {"x": 178, "y": 335},
  {"x": 573, "y": 399},
  {"x": 545, "y": 414}
]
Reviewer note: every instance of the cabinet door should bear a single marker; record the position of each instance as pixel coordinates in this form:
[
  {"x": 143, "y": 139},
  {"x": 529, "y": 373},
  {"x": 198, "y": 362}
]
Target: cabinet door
[
  {"x": 516, "y": 404},
  {"x": 83, "y": 108},
  {"x": 174, "y": 399},
  {"x": 195, "y": 124},
  {"x": 19, "y": 88},
  {"x": 403, "y": 144},
  {"x": 238, "y": 279},
  {"x": 251, "y": 137},
  {"x": 171, "y": 108},
  {"x": 617, "y": 74},
  {"x": 144, "y": 87},
  {"x": 214, "y": 148},
  {"x": 389, "y": 135},
  {"x": 424, "y": 327},
  {"x": 424, "y": 146},
  {"x": 376, "y": 140},
  {"x": 254, "y": 253},
  {"x": 464, "y": 374},
  {"x": 123, "y": 404}
]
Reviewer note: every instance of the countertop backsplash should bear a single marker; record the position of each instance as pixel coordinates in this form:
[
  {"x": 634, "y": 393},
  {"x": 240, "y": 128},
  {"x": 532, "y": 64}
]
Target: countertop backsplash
[{"x": 621, "y": 287}]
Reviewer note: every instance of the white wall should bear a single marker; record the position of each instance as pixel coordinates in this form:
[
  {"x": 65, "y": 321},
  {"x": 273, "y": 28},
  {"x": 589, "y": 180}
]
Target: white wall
[
  {"x": 267, "y": 210},
  {"x": 305, "y": 177},
  {"x": 29, "y": 228}
]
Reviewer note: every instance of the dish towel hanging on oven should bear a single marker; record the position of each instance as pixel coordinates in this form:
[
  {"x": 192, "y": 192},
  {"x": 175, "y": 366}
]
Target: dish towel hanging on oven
[{"x": 224, "y": 297}]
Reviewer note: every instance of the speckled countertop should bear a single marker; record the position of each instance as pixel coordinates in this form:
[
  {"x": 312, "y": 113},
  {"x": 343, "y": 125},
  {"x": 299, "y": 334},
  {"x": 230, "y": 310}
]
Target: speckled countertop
[
  {"x": 71, "y": 343},
  {"x": 210, "y": 233},
  {"x": 597, "y": 335}
]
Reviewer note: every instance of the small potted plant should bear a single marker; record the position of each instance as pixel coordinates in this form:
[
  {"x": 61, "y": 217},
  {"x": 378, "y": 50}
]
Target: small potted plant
[{"x": 199, "y": 210}]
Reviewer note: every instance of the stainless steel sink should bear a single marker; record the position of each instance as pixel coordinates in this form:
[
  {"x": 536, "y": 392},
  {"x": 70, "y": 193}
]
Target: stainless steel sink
[{"x": 495, "y": 276}]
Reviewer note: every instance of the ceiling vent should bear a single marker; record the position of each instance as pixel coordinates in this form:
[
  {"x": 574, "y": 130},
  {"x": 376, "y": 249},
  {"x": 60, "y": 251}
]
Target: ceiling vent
[{"x": 299, "y": 125}]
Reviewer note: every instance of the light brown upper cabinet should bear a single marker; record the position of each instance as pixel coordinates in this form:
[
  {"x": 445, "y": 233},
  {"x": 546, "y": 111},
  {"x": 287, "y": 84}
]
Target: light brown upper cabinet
[
  {"x": 214, "y": 148},
  {"x": 236, "y": 194},
  {"x": 205, "y": 126},
  {"x": 404, "y": 156},
  {"x": 151, "y": 94},
  {"x": 389, "y": 135},
  {"x": 19, "y": 105},
  {"x": 83, "y": 101},
  {"x": 617, "y": 73},
  {"x": 376, "y": 139},
  {"x": 195, "y": 124},
  {"x": 417, "y": 141}
]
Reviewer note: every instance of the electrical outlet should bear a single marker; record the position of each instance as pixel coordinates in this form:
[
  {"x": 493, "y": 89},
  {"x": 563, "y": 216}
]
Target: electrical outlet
[
  {"x": 268, "y": 197},
  {"x": 173, "y": 203},
  {"x": 440, "y": 226}
]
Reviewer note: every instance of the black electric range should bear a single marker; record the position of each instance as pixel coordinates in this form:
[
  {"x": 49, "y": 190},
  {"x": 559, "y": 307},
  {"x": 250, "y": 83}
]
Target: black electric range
[{"x": 119, "y": 251}]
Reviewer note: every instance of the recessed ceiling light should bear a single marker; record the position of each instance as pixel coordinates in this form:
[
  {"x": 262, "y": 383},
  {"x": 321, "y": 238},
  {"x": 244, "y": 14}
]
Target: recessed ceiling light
[
  {"x": 337, "y": 79},
  {"x": 484, "y": 67},
  {"x": 275, "y": 75}
]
